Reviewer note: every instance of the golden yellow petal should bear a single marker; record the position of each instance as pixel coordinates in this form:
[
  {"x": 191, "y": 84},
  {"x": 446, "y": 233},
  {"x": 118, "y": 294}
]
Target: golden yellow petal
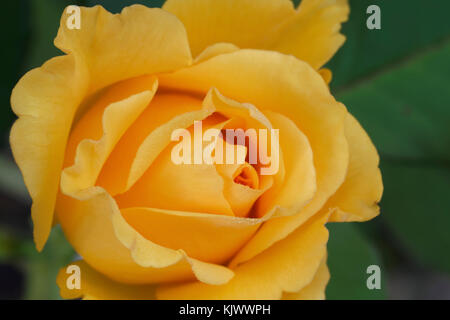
[
  {"x": 287, "y": 266},
  {"x": 357, "y": 199},
  {"x": 312, "y": 34},
  {"x": 45, "y": 99},
  {"x": 315, "y": 290},
  {"x": 244, "y": 23},
  {"x": 139, "y": 40}
]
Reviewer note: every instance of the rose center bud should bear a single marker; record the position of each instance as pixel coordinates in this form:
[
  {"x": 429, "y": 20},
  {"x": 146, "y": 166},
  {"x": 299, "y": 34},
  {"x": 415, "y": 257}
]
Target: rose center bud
[
  {"x": 187, "y": 184},
  {"x": 247, "y": 176}
]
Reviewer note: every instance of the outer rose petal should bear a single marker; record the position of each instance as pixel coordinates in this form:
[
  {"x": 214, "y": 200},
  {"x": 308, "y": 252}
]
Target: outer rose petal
[
  {"x": 287, "y": 266},
  {"x": 315, "y": 290},
  {"x": 115, "y": 47},
  {"x": 244, "y": 23},
  {"x": 265, "y": 24},
  {"x": 46, "y": 99},
  {"x": 286, "y": 85},
  {"x": 315, "y": 28},
  {"x": 357, "y": 198}
]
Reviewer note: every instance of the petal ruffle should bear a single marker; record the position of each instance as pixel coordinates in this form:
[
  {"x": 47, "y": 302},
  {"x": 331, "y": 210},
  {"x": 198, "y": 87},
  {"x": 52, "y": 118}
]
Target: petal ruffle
[
  {"x": 357, "y": 198},
  {"x": 46, "y": 100},
  {"x": 139, "y": 40},
  {"x": 244, "y": 23},
  {"x": 315, "y": 28},
  {"x": 311, "y": 33}
]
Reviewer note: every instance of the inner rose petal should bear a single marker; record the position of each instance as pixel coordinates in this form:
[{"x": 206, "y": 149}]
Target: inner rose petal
[{"x": 247, "y": 176}]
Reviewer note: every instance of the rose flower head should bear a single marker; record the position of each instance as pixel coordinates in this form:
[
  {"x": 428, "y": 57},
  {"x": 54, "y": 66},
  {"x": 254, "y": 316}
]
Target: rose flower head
[{"x": 194, "y": 151}]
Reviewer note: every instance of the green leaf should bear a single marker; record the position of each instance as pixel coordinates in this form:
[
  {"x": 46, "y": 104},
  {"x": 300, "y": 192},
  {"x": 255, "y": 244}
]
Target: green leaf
[
  {"x": 45, "y": 17},
  {"x": 416, "y": 206},
  {"x": 406, "y": 27},
  {"x": 349, "y": 255},
  {"x": 8, "y": 244},
  {"x": 406, "y": 110},
  {"x": 14, "y": 33}
]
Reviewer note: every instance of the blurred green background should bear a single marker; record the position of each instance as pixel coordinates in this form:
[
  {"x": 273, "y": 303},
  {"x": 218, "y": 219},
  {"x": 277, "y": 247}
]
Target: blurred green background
[{"x": 394, "y": 80}]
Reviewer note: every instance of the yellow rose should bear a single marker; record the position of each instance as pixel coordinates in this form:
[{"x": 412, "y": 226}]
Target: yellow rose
[{"x": 93, "y": 141}]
